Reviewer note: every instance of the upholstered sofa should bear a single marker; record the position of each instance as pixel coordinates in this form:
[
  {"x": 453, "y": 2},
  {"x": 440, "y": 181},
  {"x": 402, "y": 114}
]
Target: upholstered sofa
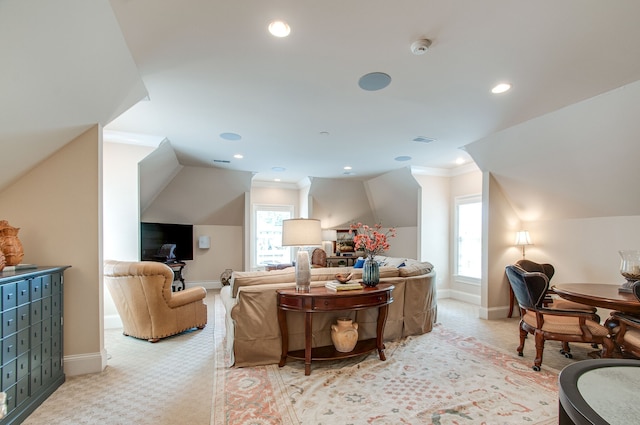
[{"x": 253, "y": 334}]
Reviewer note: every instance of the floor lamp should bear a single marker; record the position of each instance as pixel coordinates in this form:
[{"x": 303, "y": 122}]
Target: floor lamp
[{"x": 302, "y": 232}]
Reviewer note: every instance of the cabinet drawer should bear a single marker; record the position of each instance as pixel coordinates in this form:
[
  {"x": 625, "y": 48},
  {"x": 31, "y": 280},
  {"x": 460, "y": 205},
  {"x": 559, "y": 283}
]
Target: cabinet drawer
[
  {"x": 46, "y": 307},
  {"x": 35, "y": 356},
  {"x": 56, "y": 283},
  {"x": 9, "y": 295},
  {"x": 35, "y": 331},
  {"x": 8, "y": 375},
  {"x": 46, "y": 285},
  {"x": 9, "y": 322},
  {"x": 46, "y": 371},
  {"x": 56, "y": 304},
  {"x": 36, "y": 379},
  {"x": 11, "y": 398},
  {"x": 22, "y": 391},
  {"x": 22, "y": 366},
  {"x": 23, "y": 292},
  {"x": 23, "y": 341},
  {"x": 56, "y": 345},
  {"x": 350, "y": 302},
  {"x": 36, "y": 288},
  {"x": 46, "y": 328},
  {"x": 36, "y": 311},
  {"x": 24, "y": 316},
  {"x": 56, "y": 366},
  {"x": 46, "y": 349},
  {"x": 9, "y": 349}
]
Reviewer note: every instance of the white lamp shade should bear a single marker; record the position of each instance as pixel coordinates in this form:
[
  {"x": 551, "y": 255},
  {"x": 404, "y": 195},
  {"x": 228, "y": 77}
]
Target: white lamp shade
[
  {"x": 329, "y": 235},
  {"x": 301, "y": 232},
  {"x": 523, "y": 238}
]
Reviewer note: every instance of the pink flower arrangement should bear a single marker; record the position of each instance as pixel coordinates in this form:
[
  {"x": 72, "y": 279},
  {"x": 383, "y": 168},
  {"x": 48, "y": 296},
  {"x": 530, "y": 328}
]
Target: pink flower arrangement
[{"x": 371, "y": 239}]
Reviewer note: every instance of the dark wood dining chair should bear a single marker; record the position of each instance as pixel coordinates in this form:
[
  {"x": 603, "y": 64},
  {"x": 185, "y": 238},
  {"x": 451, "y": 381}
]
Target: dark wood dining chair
[
  {"x": 627, "y": 333},
  {"x": 544, "y": 323}
]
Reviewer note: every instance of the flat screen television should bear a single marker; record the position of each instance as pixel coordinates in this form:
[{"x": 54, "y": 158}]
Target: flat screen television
[{"x": 154, "y": 235}]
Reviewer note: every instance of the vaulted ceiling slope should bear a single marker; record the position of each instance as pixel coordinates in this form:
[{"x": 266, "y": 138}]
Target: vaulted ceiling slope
[
  {"x": 579, "y": 162},
  {"x": 65, "y": 67}
]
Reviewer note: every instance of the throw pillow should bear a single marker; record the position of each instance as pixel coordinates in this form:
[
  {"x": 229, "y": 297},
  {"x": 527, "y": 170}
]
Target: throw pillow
[{"x": 359, "y": 263}]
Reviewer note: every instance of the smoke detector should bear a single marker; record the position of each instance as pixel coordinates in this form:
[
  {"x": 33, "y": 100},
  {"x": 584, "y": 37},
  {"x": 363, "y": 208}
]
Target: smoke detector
[{"x": 419, "y": 47}]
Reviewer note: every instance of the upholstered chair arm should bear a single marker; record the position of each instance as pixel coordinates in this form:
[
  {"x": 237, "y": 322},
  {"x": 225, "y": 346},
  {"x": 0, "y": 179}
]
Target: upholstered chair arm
[{"x": 187, "y": 296}]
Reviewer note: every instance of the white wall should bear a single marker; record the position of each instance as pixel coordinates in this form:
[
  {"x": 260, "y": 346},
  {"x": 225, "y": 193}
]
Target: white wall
[
  {"x": 435, "y": 224},
  {"x": 584, "y": 250}
]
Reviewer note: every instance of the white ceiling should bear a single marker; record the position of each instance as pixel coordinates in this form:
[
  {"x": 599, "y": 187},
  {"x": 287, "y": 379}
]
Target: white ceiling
[{"x": 210, "y": 66}]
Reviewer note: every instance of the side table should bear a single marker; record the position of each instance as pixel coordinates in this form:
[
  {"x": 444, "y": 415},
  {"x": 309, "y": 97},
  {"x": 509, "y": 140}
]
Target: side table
[{"x": 323, "y": 300}]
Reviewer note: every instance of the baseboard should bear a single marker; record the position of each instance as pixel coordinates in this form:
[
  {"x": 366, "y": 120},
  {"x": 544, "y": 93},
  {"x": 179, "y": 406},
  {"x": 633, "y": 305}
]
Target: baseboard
[
  {"x": 81, "y": 364},
  {"x": 494, "y": 313},
  {"x": 465, "y": 297},
  {"x": 206, "y": 284}
]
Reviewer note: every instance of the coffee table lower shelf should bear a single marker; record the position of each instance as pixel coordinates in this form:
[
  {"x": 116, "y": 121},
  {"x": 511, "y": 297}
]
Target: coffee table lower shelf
[{"x": 329, "y": 352}]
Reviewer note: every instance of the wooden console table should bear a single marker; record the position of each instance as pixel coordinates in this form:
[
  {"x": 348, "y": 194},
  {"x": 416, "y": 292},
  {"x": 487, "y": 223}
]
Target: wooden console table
[{"x": 322, "y": 300}]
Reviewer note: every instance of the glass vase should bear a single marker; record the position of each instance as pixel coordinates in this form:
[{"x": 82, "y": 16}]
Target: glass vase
[
  {"x": 629, "y": 268},
  {"x": 370, "y": 272}
]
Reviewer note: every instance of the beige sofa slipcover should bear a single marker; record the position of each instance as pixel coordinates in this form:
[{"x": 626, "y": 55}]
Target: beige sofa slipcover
[{"x": 253, "y": 334}]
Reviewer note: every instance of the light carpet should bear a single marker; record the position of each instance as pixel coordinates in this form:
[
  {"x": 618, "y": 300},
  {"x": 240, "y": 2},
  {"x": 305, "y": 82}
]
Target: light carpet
[{"x": 438, "y": 378}]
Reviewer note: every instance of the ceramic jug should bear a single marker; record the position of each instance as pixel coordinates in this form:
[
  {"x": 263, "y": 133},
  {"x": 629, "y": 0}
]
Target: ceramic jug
[{"x": 344, "y": 335}]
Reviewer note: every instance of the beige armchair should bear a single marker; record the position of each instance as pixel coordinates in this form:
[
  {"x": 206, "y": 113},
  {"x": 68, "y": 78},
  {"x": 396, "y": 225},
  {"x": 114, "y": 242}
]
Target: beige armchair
[{"x": 149, "y": 310}]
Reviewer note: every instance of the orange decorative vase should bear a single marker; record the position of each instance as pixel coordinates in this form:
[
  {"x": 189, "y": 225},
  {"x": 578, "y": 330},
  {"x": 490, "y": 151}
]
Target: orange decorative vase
[
  {"x": 10, "y": 245},
  {"x": 344, "y": 335}
]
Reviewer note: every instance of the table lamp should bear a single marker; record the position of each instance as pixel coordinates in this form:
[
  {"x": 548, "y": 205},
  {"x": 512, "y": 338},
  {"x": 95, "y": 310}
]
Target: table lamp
[
  {"x": 523, "y": 239},
  {"x": 302, "y": 232},
  {"x": 329, "y": 237}
]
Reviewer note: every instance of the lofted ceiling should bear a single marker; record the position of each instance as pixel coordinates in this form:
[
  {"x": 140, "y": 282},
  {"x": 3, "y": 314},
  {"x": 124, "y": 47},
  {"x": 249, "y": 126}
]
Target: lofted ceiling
[{"x": 186, "y": 72}]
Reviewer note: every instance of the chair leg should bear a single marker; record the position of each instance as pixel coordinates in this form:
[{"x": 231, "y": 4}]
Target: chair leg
[
  {"x": 539, "y": 349},
  {"x": 566, "y": 350},
  {"x": 523, "y": 336}
]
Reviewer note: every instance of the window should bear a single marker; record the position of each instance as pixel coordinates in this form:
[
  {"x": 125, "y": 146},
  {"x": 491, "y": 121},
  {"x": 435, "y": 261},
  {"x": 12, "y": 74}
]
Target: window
[
  {"x": 268, "y": 234},
  {"x": 468, "y": 246}
]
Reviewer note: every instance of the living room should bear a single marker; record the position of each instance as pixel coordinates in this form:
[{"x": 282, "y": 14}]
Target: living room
[{"x": 568, "y": 176}]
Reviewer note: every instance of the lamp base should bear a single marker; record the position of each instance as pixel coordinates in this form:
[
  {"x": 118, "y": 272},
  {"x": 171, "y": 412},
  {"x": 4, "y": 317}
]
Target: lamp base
[{"x": 303, "y": 272}]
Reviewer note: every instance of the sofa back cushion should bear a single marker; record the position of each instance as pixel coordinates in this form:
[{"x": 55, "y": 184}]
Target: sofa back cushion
[
  {"x": 415, "y": 268},
  {"x": 239, "y": 279}
]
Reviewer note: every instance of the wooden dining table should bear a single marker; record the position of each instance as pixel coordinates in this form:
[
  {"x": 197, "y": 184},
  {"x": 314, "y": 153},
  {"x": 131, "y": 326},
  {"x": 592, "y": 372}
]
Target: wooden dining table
[{"x": 599, "y": 295}]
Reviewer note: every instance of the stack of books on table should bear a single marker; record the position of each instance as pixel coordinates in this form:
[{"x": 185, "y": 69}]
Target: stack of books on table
[{"x": 337, "y": 286}]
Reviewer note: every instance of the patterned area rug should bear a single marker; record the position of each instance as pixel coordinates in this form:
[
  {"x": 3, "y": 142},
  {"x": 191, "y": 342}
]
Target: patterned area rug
[{"x": 438, "y": 378}]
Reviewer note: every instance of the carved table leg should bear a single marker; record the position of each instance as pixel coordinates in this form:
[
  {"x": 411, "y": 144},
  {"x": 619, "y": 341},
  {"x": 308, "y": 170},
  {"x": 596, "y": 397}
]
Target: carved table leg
[
  {"x": 284, "y": 336},
  {"x": 382, "y": 318}
]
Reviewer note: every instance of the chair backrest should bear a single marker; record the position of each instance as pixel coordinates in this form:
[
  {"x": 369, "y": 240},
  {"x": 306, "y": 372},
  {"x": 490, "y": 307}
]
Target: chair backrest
[
  {"x": 636, "y": 289},
  {"x": 319, "y": 257},
  {"x": 529, "y": 288},
  {"x": 532, "y": 266}
]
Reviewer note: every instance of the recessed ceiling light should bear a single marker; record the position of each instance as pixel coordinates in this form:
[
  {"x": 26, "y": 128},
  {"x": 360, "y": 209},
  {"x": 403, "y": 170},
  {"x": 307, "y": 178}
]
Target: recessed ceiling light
[
  {"x": 276, "y": 180},
  {"x": 324, "y": 133},
  {"x": 278, "y": 169},
  {"x": 374, "y": 81},
  {"x": 347, "y": 167},
  {"x": 279, "y": 29},
  {"x": 403, "y": 158},
  {"x": 460, "y": 161},
  {"x": 230, "y": 136},
  {"x": 238, "y": 156},
  {"x": 501, "y": 88}
]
